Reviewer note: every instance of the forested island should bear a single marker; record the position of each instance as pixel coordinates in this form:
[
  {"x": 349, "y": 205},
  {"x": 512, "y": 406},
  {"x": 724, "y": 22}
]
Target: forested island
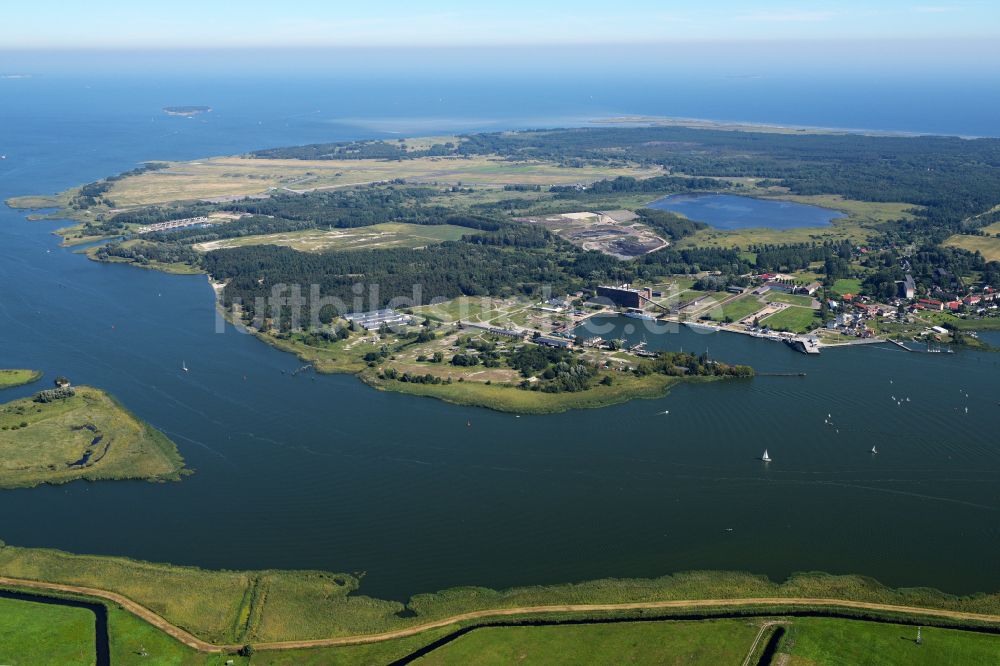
[{"x": 508, "y": 221}]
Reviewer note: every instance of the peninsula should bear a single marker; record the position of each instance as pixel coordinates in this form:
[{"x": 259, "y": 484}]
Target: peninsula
[
  {"x": 69, "y": 433},
  {"x": 11, "y": 377},
  {"x": 463, "y": 266}
]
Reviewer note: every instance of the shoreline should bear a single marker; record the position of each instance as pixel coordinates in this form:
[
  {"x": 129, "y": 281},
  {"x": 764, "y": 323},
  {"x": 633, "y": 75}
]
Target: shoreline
[
  {"x": 746, "y": 125},
  {"x": 184, "y": 601}
]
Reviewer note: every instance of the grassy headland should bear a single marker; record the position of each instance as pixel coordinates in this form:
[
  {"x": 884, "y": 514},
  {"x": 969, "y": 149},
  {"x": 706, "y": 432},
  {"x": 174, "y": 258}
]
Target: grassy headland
[
  {"x": 82, "y": 433},
  {"x": 14, "y": 377}
]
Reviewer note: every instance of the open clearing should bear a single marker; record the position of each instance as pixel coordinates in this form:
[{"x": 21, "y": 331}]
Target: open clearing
[
  {"x": 374, "y": 237},
  {"x": 988, "y": 246},
  {"x": 235, "y": 176},
  {"x": 613, "y": 232},
  {"x": 87, "y": 436},
  {"x": 34, "y": 633},
  {"x": 708, "y": 642}
]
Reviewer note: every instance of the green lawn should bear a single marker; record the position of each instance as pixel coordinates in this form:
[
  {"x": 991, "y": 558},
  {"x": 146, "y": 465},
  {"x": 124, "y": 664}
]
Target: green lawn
[
  {"x": 11, "y": 378},
  {"x": 791, "y": 299},
  {"x": 829, "y": 642},
  {"x": 847, "y": 286},
  {"x": 709, "y": 642},
  {"x": 794, "y": 318},
  {"x": 736, "y": 309},
  {"x": 33, "y": 633}
]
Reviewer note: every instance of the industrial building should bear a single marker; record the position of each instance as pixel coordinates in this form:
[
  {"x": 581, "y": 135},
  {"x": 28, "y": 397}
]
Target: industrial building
[
  {"x": 376, "y": 318},
  {"x": 624, "y": 296}
]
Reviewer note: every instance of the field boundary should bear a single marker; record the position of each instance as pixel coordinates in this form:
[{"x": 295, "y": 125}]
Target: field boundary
[{"x": 200, "y": 645}]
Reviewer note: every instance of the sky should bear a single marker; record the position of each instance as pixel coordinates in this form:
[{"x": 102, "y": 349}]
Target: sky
[{"x": 179, "y": 24}]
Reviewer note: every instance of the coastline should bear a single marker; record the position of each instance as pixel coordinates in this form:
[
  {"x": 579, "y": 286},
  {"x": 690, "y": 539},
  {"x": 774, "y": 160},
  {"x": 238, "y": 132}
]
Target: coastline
[{"x": 222, "y": 610}]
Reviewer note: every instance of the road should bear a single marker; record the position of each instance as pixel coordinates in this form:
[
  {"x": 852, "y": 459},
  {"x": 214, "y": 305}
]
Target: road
[{"x": 690, "y": 604}]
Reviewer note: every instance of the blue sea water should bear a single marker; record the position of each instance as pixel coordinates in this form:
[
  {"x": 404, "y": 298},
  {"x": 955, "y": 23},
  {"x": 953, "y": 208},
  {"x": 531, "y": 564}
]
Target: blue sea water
[{"x": 325, "y": 473}]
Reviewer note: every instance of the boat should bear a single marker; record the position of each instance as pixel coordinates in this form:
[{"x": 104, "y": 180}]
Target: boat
[
  {"x": 874, "y": 450},
  {"x": 184, "y": 366},
  {"x": 700, "y": 327},
  {"x": 765, "y": 457},
  {"x": 632, "y": 314}
]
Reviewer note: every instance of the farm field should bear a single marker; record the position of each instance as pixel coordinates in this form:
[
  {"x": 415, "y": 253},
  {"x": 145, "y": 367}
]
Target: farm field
[
  {"x": 87, "y": 436},
  {"x": 35, "y": 633},
  {"x": 823, "y": 641},
  {"x": 708, "y": 642},
  {"x": 358, "y": 238},
  {"x": 988, "y": 246}
]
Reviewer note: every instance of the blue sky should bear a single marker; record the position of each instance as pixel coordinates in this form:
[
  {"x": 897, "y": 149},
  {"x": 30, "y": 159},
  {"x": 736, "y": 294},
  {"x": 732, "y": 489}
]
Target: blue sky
[{"x": 47, "y": 24}]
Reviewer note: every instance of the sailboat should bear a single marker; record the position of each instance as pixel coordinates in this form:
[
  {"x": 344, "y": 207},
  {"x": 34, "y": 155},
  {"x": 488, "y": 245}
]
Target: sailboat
[
  {"x": 874, "y": 450},
  {"x": 765, "y": 457},
  {"x": 184, "y": 366}
]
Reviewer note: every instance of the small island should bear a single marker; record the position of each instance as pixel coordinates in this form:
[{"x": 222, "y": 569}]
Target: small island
[
  {"x": 68, "y": 433},
  {"x": 186, "y": 110},
  {"x": 15, "y": 377}
]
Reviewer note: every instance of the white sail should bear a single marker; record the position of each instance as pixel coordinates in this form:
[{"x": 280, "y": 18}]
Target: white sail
[{"x": 765, "y": 457}]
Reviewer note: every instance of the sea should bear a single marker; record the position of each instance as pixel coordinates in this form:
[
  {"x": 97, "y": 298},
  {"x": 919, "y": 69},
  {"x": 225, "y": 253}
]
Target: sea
[{"x": 323, "y": 472}]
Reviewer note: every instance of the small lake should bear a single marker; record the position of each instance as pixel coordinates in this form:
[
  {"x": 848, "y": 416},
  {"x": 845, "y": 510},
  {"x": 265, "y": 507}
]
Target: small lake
[{"x": 727, "y": 211}]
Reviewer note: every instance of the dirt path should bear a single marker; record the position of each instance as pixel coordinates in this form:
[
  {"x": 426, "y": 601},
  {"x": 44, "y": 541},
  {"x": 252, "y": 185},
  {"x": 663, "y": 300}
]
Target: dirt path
[
  {"x": 760, "y": 634},
  {"x": 204, "y": 646}
]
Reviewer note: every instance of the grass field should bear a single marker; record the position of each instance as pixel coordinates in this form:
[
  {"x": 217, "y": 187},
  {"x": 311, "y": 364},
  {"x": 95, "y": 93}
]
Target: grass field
[
  {"x": 707, "y": 643},
  {"x": 33, "y": 633},
  {"x": 791, "y": 299},
  {"x": 847, "y": 286},
  {"x": 793, "y": 318},
  {"x": 88, "y": 436},
  {"x": 988, "y": 246},
  {"x": 378, "y": 236},
  {"x": 12, "y": 378},
  {"x": 736, "y": 309},
  {"x": 229, "y": 176},
  {"x": 828, "y": 641}
]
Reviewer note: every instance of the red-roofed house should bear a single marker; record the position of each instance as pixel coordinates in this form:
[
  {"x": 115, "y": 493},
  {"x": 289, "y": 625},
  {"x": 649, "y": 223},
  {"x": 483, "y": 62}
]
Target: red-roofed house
[{"x": 931, "y": 303}]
